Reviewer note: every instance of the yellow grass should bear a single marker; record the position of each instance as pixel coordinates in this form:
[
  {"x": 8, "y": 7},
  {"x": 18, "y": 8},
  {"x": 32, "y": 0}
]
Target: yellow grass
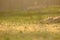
[{"x": 31, "y": 28}]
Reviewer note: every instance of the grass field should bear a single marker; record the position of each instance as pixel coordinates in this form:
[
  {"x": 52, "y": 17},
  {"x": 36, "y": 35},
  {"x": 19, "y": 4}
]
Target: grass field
[{"x": 29, "y": 25}]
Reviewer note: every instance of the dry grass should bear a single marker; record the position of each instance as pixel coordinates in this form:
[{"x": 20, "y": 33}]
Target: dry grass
[{"x": 30, "y": 27}]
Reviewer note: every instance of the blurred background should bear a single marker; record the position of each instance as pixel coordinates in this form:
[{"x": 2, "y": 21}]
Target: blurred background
[{"x": 20, "y": 5}]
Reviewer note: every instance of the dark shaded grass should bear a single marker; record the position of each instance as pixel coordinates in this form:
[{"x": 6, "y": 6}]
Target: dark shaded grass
[{"x": 30, "y": 36}]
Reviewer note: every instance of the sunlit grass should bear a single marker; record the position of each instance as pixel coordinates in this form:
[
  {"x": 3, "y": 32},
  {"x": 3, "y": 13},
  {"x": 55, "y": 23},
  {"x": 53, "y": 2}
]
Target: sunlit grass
[{"x": 29, "y": 25}]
